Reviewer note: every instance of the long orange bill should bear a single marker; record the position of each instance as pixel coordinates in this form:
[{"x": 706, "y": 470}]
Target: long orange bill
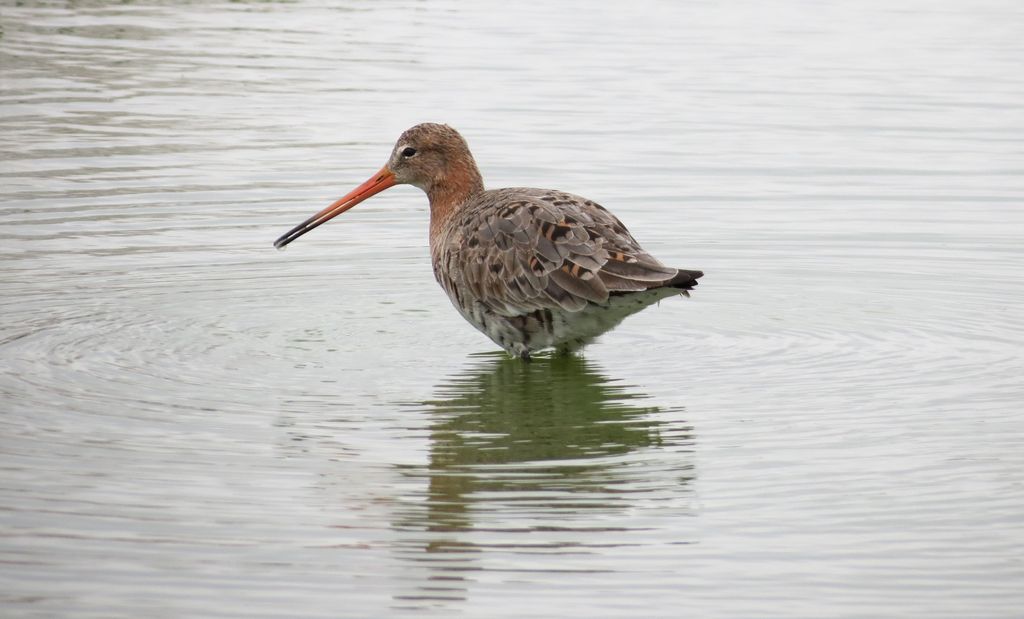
[{"x": 376, "y": 184}]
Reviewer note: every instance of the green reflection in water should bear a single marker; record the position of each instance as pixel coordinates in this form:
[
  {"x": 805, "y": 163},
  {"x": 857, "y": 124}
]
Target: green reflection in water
[
  {"x": 559, "y": 418},
  {"x": 545, "y": 450}
]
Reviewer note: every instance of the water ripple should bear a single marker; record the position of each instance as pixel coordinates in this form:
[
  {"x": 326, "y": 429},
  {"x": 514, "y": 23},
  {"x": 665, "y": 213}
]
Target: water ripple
[{"x": 195, "y": 422}]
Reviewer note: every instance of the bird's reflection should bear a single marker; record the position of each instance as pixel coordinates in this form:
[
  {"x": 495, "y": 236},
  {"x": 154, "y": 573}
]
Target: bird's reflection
[{"x": 545, "y": 446}]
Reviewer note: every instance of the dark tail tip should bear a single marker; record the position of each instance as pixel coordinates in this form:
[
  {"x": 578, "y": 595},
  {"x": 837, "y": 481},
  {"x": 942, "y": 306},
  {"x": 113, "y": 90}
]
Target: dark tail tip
[{"x": 684, "y": 279}]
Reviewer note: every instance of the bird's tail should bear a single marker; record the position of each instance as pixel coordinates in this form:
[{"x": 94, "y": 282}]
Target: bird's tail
[{"x": 684, "y": 280}]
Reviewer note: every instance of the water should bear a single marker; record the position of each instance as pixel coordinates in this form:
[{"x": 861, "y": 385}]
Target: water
[{"x": 194, "y": 424}]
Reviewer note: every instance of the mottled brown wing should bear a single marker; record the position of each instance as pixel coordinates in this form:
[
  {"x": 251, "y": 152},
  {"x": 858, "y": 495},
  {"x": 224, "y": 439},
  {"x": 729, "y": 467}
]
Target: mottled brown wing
[{"x": 528, "y": 249}]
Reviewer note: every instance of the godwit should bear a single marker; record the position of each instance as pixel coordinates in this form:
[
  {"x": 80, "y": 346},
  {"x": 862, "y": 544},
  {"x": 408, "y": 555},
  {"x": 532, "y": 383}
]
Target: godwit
[{"x": 530, "y": 268}]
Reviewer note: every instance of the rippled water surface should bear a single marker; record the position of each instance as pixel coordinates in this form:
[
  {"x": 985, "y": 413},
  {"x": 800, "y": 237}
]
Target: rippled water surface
[{"x": 194, "y": 424}]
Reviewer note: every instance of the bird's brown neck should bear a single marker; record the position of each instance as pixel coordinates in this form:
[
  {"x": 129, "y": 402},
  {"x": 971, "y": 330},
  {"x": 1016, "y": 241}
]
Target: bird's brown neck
[{"x": 461, "y": 182}]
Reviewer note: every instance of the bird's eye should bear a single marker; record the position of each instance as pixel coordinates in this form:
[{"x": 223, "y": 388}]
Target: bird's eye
[{"x": 409, "y": 151}]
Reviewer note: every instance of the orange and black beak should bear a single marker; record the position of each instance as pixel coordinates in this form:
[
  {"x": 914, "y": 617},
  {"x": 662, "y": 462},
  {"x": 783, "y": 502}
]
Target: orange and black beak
[{"x": 376, "y": 184}]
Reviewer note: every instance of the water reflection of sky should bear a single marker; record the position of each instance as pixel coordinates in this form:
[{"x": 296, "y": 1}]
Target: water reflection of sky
[{"x": 195, "y": 423}]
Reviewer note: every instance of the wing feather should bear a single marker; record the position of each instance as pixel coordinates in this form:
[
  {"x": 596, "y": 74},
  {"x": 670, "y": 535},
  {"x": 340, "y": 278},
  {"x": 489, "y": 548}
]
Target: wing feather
[{"x": 521, "y": 250}]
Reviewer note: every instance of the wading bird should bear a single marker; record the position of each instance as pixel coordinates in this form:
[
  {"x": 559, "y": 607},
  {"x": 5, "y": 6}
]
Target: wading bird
[{"x": 530, "y": 268}]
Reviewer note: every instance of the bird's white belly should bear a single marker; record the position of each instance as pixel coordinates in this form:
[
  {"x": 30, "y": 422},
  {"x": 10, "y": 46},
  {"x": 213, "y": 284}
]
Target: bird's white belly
[{"x": 556, "y": 328}]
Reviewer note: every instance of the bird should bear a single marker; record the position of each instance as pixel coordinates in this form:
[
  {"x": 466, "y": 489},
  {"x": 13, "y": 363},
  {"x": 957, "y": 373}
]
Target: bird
[{"x": 533, "y": 269}]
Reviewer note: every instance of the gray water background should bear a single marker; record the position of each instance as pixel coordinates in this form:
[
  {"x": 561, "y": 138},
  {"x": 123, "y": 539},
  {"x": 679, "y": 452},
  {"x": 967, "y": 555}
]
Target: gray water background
[{"x": 193, "y": 424}]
